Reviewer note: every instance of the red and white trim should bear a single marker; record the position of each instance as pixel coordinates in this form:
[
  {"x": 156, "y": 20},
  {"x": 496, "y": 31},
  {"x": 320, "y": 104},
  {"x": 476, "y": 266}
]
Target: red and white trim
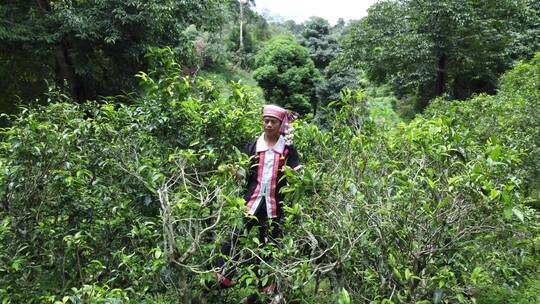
[
  {"x": 255, "y": 194},
  {"x": 272, "y": 211},
  {"x": 267, "y": 176}
]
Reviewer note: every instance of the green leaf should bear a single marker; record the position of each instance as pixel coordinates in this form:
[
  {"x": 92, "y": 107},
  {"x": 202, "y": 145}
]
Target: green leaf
[
  {"x": 495, "y": 153},
  {"x": 344, "y": 297},
  {"x": 408, "y": 274},
  {"x": 507, "y": 213},
  {"x": 397, "y": 273},
  {"x": 493, "y": 193},
  {"x": 518, "y": 213}
]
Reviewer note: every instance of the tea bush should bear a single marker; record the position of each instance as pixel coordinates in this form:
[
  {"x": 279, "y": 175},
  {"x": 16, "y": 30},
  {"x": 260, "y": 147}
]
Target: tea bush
[{"x": 128, "y": 203}]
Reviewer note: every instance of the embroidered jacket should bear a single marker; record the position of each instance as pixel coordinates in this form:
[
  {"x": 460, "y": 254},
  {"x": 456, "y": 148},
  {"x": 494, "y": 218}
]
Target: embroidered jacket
[{"x": 265, "y": 177}]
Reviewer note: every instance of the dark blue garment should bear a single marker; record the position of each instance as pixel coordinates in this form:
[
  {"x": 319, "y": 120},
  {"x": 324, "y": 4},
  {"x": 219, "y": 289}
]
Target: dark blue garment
[{"x": 290, "y": 159}]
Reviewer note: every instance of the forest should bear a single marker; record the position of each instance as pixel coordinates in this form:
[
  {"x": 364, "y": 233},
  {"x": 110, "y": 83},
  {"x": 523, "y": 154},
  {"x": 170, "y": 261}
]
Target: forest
[{"x": 122, "y": 161}]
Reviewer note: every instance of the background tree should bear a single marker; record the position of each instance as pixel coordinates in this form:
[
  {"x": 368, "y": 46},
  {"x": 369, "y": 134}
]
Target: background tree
[
  {"x": 339, "y": 27},
  {"x": 287, "y": 74},
  {"x": 316, "y": 37},
  {"x": 321, "y": 40},
  {"x": 337, "y": 76},
  {"x": 245, "y": 35},
  {"x": 242, "y": 5},
  {"x": 293, "y": 27},
  {"x": 429, "y": 48},
  {"x": 93, "y": 47}
]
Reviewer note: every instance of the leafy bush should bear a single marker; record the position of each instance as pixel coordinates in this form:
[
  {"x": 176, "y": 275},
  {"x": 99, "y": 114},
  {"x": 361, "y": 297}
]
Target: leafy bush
[
  {"x": 287, "y": 74},
  {"x": 87, "y": 189},
  {"x": 511, "y": 117},
  {"x": 407, "y": 215},
  {"x": 129, "y": 203},
  {"x": 529, "y": 293}
]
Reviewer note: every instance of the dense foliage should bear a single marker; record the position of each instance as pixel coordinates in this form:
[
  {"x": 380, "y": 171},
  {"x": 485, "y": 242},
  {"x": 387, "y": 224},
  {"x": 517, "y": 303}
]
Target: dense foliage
[
  {"x": 322, "y": 46},
  {"x": 510, "y": 118},
  {"x": 287, "y": 75},
  {"x": 82, "y": 187},
  {"x": 422, "y": 49},
  {"x": 128, "y": 203},
  {"x": 122, "y": 173},
  {"x": 430, "y": 48},
  {"x": 91, "y": 48}
]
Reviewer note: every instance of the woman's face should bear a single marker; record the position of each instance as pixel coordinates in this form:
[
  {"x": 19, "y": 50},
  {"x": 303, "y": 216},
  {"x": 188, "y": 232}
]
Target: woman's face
[{"x": 271, "y": 126}]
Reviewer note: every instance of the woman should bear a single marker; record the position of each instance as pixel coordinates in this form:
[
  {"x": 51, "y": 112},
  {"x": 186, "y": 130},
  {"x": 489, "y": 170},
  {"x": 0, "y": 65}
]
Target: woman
[{"x": 269, "y": 153}]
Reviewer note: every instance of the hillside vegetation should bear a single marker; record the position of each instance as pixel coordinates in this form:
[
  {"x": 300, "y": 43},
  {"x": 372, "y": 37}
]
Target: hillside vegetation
[
  {"x": 126, "y": 203},
  {"x": 123, "y": 127}
]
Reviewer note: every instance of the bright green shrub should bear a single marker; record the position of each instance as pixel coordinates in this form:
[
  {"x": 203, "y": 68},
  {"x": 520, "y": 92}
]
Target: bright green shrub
[
  {"x": 287, "y": 74},
  {"x": 421, "y": 213},
  {"x": 129, "y": 203},
  {"x": 431, "y": 212},
  {"x": 408, "y": 204},
  {"x": 87, "y": 189},
  {"x": 529, "y": 293},
  {"x": 512, "y": 117}
]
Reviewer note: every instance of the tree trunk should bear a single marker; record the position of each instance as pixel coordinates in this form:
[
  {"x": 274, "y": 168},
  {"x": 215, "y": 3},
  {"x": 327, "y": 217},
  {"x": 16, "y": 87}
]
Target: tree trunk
[
  {"x": 440, "y": 83},
  {"x": 241, "y": 25},
  {"x": 64, "y": 71},
  {"x": 64, "y": 67},
  {"x": 432, "y": 90}
]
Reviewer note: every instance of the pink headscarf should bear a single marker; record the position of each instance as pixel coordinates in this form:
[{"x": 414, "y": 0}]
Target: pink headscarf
[{"x": 285, "y": 116}]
